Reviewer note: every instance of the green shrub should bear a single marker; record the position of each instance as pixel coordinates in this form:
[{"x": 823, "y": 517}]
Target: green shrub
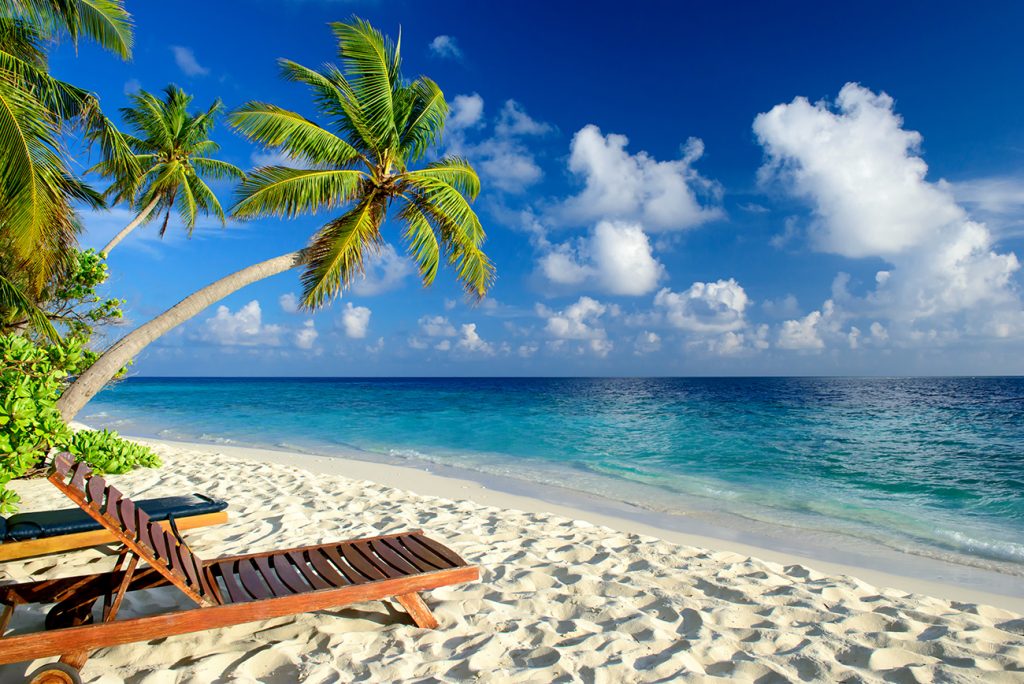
[
  {"x": 108, "y": 452},
  {"x": 32, "y": 376}
]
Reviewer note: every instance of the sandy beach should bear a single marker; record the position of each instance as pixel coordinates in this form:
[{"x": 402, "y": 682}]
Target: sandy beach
[{"x": 565, "y": 595}]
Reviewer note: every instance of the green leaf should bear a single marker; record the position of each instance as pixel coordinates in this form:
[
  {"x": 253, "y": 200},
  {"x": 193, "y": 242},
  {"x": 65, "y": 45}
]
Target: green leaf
[
  {"x": 281, "y": 191},
  {"x": 335, "y": 256}
]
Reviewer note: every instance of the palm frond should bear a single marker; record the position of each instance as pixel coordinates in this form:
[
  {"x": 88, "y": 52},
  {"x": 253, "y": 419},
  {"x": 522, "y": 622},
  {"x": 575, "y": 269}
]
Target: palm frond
[
  {"x": 12, "y": 299},
  {"x": 427, "y": 115},
  {"x": 337, "y": 251},
  {"x": 108, "y": 23},
  {"x": 33, "y": 209},
  {"x": 274, "y": 127},
  {"x": 215, "y": 168},
  {"x": 421, "y": 241},
  {"x": 453, "y": 171},
  {"x": 335, "y": 97},
  {"x": 462, "y": 236},
  {"x": 286, "y": 192},
  {"x": 187, "y": 208},
  {"x": 374, "y": 64},
  {"x": 105, "y": 21},
  {"x": 205, "y": 198}
]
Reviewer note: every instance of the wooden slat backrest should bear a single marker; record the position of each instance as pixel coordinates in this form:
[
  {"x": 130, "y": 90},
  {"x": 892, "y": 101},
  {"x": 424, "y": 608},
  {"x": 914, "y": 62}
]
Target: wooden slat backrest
[{"x": 131, "y": 526}]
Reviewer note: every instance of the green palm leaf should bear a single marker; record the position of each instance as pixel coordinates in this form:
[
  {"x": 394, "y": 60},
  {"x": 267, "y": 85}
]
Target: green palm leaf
[
  {"x": 275, "y": 127},
  {"x": 421, "y": 241},
  {"x": 427, "y": 115},
  {"x": 336, "y": 253},
  {"x": 215, "y": 168},
  {"x": 13, "y": 300},
  {"x": 107, "y": 22},
  {"x": 373, "y": 62},
  {"x": 280, "y": 191},
  {"x": 453, "y": 171}
]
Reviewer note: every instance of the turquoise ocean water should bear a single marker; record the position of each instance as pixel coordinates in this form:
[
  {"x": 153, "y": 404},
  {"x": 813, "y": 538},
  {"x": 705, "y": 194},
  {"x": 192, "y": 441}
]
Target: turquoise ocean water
[{"x": 932, "y": 467}]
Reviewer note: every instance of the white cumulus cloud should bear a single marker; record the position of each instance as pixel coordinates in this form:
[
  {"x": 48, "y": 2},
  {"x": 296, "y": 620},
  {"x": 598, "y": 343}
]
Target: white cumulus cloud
[
  {"x": 305, "y": 337},
  {"x": 504, "y": 161},
  {"x": 579, "y": 321},
  {"x": 186, "y": 60},
  {"x": 615, "y": 258},
  {"x": 862, "y": 173},
  {"x": 385, "y": 272},
  {"x": 662, "y": 195},
  {"x": 513, "y": 120},
  {"x": 289, "y": 302},
  {"x": 355, "y": 320},
  {"x": 470, "y": 341},
  {"x": 802, "y": 333},
  {"x": 446, "y": 47},
  {"x": 241, "y": 328},
  {"x": 436, "y": 326},
  {"x": 466, "y": 111},
  {"x": 647, "y": 342},
  {"x": 715, "y": 307}
]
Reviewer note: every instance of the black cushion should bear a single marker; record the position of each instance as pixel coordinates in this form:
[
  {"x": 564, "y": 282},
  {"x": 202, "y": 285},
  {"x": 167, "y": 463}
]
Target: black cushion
[{"x": 72, "y": 520}]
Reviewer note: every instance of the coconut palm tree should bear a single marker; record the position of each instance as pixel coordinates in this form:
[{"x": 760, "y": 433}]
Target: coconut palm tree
[
  {"x": 37, "y": 189},
  {"x": 382, "y": 125},
  {"x": 171, "y": 149}
]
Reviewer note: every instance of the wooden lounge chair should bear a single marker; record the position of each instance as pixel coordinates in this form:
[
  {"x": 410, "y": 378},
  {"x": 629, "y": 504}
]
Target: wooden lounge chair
[
  {"x": 226, "y": 591},
  {"x": 41, "y": 532}
]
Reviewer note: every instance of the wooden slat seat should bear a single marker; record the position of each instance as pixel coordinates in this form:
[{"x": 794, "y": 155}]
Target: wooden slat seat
[{"x": 328, "y": 566}]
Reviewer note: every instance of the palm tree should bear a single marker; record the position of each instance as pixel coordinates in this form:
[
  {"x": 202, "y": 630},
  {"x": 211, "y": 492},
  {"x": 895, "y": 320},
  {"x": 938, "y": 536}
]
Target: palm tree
[
  {"x": 171, "y": 150},
  {"x": 382, "y": 126},
  {"x": 37, "y": 189}
]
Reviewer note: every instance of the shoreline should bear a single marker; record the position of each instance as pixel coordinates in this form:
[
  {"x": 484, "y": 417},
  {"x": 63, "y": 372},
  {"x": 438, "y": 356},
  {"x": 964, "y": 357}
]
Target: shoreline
[{"x": 905, "y": 572}]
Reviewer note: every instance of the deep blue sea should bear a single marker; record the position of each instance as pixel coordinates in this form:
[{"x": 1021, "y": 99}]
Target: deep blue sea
[{"x": 929, "y": 466}]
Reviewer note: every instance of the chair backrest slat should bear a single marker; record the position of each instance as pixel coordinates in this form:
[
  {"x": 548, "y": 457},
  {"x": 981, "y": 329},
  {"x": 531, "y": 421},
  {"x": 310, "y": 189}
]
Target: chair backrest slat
[
  {"x": 168, "y": 555},
  {"x": 78, "y": 475},
  {"x": 96, "y": 493},
  {"x": 113, "y": 497}
]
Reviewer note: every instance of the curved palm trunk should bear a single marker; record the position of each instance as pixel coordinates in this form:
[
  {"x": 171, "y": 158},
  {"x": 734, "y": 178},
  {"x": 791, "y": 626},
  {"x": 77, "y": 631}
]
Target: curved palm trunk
[
  {"x": 131, "y": 226},
  {"x": 106, "y": 367}
]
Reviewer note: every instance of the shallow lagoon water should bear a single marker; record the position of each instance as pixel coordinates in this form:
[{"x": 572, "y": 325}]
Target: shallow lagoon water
[{"x": 928, "y": 466}]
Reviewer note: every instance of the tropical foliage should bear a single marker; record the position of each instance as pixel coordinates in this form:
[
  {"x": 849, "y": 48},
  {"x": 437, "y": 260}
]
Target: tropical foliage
[
  {"x": 381, "y": 126},
  {"x": 109, "y": 453},
  {"x": 72, "y": 304},
  {"x": 171, "y": 152},
  {"x": 38, "y": 226},
  {"x": 31, "y": 378}
]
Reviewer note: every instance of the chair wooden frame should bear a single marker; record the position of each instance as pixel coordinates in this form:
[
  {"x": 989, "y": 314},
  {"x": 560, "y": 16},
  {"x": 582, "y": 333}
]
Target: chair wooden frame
[{"x": 227, "y": 591}]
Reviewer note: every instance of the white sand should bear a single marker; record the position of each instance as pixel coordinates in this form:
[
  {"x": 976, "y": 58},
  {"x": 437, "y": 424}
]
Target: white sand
[{"x": 560, "y": 599}]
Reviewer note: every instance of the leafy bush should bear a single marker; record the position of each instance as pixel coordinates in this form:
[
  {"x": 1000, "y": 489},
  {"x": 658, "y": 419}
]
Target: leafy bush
[
  {"x": 108, "y": 452},
  {"x": 32, "y": 376}
]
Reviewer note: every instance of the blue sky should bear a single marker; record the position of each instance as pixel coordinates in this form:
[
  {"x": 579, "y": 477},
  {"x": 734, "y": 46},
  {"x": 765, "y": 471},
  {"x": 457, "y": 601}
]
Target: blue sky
[{"x": 775, "y": 188}]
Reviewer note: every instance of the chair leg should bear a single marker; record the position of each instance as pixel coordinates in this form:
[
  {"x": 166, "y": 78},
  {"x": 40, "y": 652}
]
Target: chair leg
[
  {"x": 75, "y": 659},
  {"x": 5, "y": 618},
  {"x": 417, "y": 609}
]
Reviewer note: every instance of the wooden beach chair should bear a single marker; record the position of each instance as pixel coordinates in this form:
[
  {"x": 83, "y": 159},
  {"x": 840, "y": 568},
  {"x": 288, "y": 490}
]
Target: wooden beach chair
[
  {"x": 43, "y": 532},
  {"x": 226, "y": 591}
]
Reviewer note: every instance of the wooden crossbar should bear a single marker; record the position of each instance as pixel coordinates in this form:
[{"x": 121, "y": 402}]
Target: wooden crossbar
[{"x": 17, "y": 648}]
